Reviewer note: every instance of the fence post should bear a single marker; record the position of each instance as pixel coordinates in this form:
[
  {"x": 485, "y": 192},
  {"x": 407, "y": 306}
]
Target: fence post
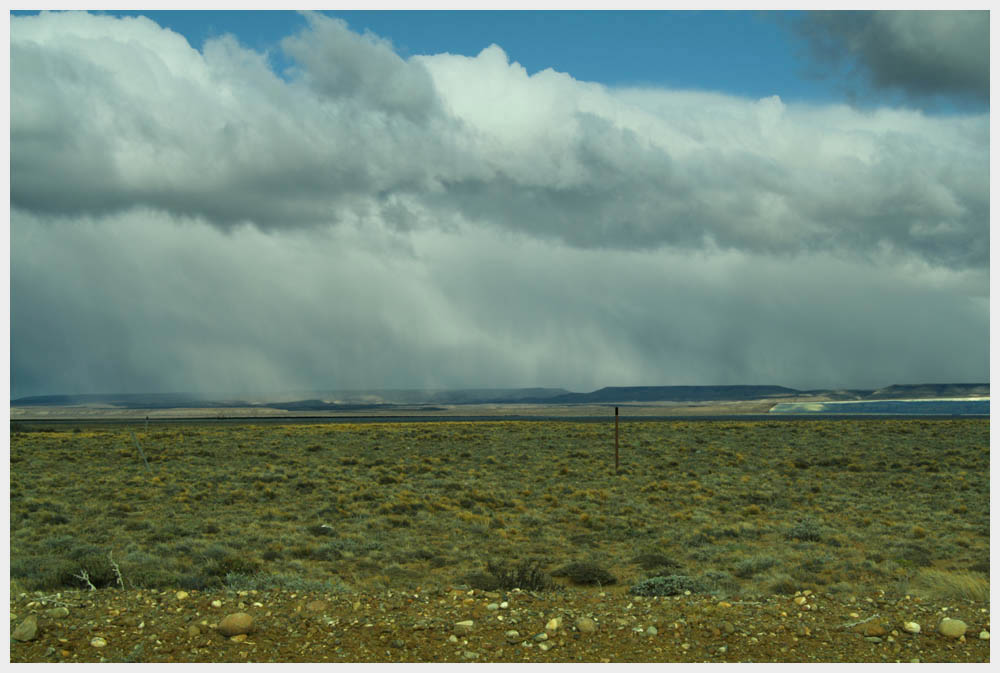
[
  {"x": 140, "y": 451},
  {"x": 616, "y": 440}
]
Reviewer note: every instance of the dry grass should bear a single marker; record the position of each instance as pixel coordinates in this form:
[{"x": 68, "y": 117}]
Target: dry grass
[
  {"x": 743, "y": 507},
  {"x": 943, "y": 585}
]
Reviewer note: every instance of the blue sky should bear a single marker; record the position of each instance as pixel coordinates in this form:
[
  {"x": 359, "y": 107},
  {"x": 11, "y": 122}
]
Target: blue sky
[
  {"x": 748, "y": 53},
  {"x": 599, "y": 199},
  {"x": 744, "y": 52}
]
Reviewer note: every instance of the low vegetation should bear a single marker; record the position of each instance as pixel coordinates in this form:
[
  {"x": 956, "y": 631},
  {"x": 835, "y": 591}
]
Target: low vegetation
[{"x": 739, "y": 508}]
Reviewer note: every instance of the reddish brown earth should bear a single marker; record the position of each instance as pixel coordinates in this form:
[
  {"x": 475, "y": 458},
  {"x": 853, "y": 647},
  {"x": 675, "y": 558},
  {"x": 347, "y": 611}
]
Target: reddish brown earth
[{"x": 419, "y": 626}]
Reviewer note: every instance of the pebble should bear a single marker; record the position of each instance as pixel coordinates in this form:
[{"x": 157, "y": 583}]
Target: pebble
[
  {"x": 952, "y": 628},
  {"x": 799, "y": 600},
  {"x": 26, "y": 630},
  {"x": 544, "y": 647},
  {"x": 651, "y": 631},
  {"x": 504, "y": 605},
  {"x": 181, "y": 595},
  {"x": 315, "y": 606},
  {"x": 541, "y": 636},
  {"x": 492, "y": 606},
  {"x": 238, "y": 638},
  {"x": 727, "y": 627},
  {"x": 56, "y": 613},
  {"x": 453, "y": 638},
  {"x": 469, "y": 654},
  {"x": 216, "y": 603},
  {"x": 98, "y": 642},
  {"x": 235, "y": 624},
  {"x": 398, "y": 643},
  {"x": 193, "y": 631},
  {"x": 512, "y": 636},
  {"x": 911, "y": 627},
  {"x": 464, "y": 627},
  {"x": 586, "y": 625},
  {"x": 554, "y": 624},
  {"x": 984, "y": 635}
]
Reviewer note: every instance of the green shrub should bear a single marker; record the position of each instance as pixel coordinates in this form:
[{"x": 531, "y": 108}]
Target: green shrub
[
  {"x": 585, "y": 573},
  {"x": 807, "y": 531},
  {"x": 670, "y": 585},
  {"x": 749, "y": 567}
]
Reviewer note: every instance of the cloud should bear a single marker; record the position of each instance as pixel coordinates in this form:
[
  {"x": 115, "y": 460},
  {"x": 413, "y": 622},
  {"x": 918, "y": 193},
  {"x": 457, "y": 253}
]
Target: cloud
[
  {"x": 923, "y": 53},
  {"x": 143, "y": 301},
  {"x": 190, "y": 220}
]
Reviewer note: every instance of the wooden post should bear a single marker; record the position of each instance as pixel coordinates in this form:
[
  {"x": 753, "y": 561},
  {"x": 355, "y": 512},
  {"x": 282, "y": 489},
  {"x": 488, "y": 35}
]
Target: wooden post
[
  {"x": 616, "y": 440},
  {"x": 138, "y": 446}
]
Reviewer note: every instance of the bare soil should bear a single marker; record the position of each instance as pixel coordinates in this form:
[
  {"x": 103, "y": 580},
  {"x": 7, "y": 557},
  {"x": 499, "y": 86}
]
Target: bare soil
[{"x": 419, "y": 626}]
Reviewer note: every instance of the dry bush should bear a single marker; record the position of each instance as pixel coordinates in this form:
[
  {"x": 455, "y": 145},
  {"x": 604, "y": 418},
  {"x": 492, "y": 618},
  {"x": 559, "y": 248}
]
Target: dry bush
[{"x": 949, "y": 586}]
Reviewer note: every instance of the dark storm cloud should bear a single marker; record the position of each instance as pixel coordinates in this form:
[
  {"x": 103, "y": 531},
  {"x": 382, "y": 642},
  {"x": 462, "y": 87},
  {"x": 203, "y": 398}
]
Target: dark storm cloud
[
  {"x": 923, "y": 53},
  {"x": 188, "y": 220}
]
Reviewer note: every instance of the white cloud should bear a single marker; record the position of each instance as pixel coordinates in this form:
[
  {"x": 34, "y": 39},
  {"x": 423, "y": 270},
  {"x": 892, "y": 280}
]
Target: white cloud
[{"x": 186, "y": 219}]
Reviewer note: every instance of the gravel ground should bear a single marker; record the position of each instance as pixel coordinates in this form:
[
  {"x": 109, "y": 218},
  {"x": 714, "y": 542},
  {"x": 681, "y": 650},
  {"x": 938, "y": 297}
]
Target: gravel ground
[{"x": 109, "y": 625}]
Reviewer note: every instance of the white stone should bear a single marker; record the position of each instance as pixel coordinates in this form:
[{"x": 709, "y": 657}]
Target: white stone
[
  {"x": 911, "y": 627},
  {"x": 953, "y": 628},
  {"x": 554, "y": 624},
  {"x": 181, "y": 595},
  {"x": 216, "y": 603},
  {"x": 984, "y": 635},
  {"x": 98, "y": 642},
  {"x": 504, "y": 605},
  {"x": 464, "y": 626}
]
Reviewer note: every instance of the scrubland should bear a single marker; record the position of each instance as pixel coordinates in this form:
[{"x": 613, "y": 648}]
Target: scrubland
[{"x": 733, "y": 508}]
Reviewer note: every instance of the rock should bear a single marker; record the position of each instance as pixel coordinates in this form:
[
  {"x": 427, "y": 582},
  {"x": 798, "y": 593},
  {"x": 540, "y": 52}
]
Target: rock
[
  {"x": 873, "y": 639},
  {"x": 651, "y": 631},
  {"x": 56, "y": 613},
  {"x": 586, "y": 625},
  {"x": 492, "y": 606},
  {"x": 952, "y": 628},
  {"x": 316, "y": 606},
  {"x": 464, "y": 627},
  {"x": 397, "y": 643},
  {"x": 911, "y": 627},
  {"x": 984, "y": 635},
  {"x": 453, "y": 638},
  {"x": 26, "y": 630},
  {"x": 469, "y": 654},
  {"x": 236, "y": 624},
  {"x": 554, "y": 624},
  {"x": 512, "y": 636},
  {"x": 193, "y": 631},
  {"x": 504, "y": 605},
  {"x": 238, "y": 638},
  {"x": 98, "y": 642},
  {"x": 728, "y": 628},
  {"x": 544, "y": 647},
  {"x": 181, "y": 595},
  {"x": 873, "y": 629},
  {"x": 541, "y": 636},
  {"x": 799, "y": 600}
]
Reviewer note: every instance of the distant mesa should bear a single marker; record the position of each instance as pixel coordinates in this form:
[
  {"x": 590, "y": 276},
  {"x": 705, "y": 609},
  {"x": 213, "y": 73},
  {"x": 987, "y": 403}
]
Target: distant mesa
[
  {"x": 389, "y": 399},
  {"x": 928, "y": 390}
]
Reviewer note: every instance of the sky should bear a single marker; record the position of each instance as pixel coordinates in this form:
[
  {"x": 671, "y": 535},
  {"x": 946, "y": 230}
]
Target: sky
[{"x": 274, "y": 201}]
